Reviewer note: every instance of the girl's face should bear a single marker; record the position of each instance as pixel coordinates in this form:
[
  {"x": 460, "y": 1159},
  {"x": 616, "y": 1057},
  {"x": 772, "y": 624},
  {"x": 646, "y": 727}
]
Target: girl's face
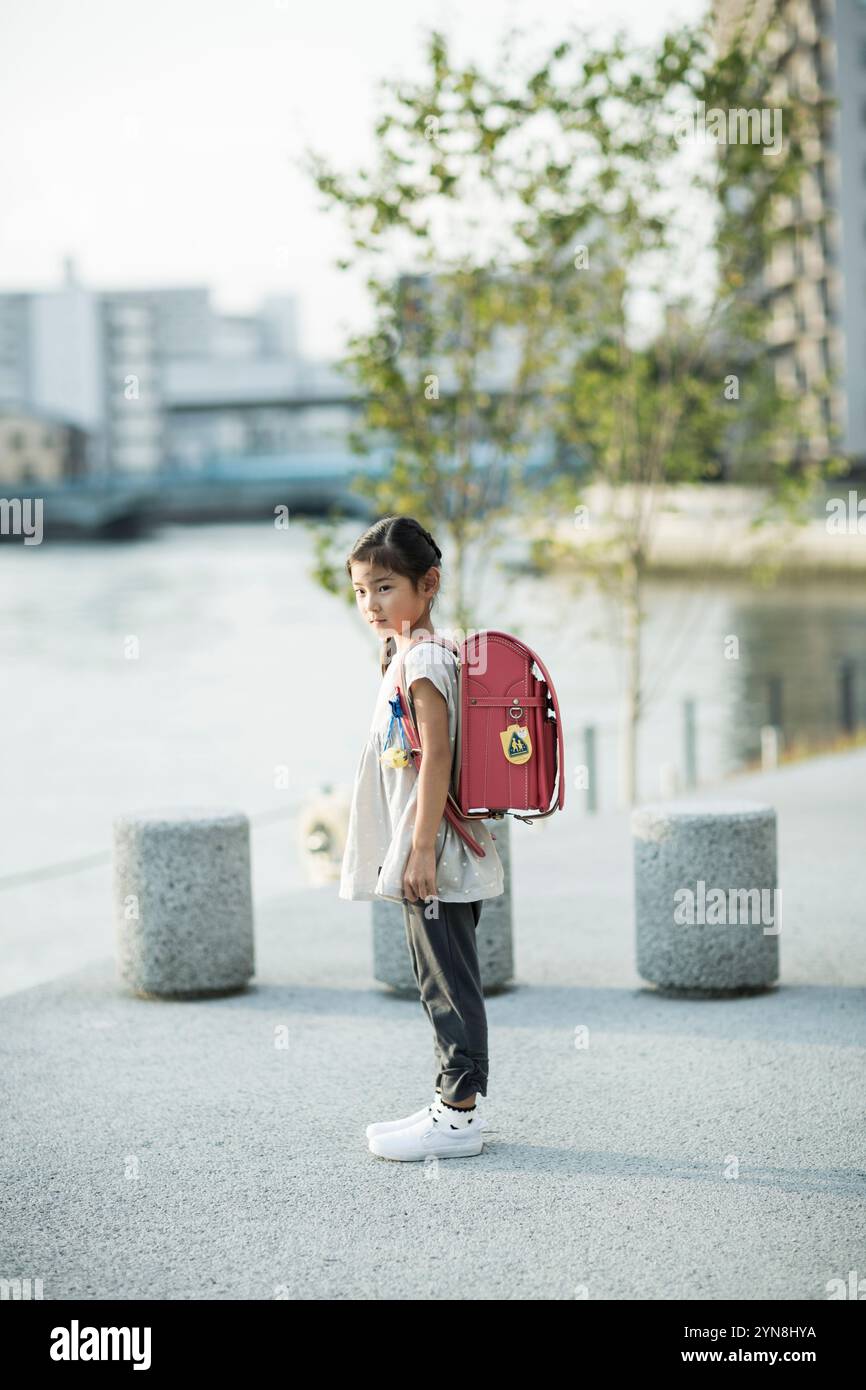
[{"x": 389, "y": 602}]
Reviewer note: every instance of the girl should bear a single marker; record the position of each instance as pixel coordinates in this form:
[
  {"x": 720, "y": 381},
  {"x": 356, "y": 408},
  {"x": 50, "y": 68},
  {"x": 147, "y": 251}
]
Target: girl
[{"x": 400, "y": 846}]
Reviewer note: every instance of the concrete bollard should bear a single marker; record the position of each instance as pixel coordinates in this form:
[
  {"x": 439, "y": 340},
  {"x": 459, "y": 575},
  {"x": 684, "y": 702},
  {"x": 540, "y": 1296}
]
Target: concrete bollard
[
  {"x": 494, "y": 934},
  {"x": 183, "y": 902},
  {"x": 707, "y": 908}
]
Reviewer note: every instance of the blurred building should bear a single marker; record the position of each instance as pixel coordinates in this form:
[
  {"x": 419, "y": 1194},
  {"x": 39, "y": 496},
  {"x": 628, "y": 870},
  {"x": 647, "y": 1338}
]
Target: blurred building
[
  {"x": 430, "y": 314},
  {"x": 156, "y": 379},
  {"x": 38, "y": 447},
  {"x": 50, "y": 358},
  {"x": 817, "y": 289},
  {"x": 262, "y": 406}
]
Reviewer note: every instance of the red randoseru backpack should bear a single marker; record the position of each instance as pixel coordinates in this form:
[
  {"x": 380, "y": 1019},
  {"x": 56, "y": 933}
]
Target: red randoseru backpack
[{"x": 510, "y": 754}]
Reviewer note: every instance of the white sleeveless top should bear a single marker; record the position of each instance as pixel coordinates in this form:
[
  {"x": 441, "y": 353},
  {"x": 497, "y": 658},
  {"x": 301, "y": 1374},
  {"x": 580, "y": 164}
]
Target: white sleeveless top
[{"x": 384, "y": 800}]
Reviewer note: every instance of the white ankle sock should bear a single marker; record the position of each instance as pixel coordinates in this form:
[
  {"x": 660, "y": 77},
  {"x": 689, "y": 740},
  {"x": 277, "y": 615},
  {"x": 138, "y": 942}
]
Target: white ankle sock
[{"x": 452, "y": 1117}]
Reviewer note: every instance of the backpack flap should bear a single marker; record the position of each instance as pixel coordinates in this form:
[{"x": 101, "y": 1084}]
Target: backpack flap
[{"x": 511, "y": 750}]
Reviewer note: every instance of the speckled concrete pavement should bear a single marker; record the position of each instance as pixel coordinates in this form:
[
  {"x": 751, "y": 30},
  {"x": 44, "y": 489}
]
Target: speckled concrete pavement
[{"x": 695, "y": 1149}]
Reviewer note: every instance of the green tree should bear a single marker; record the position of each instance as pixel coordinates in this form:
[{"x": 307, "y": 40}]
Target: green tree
[
  {"x": 540, "y": 210},
  {"x": 699, "y": 397},
  {"x": 452, "y": 373}
]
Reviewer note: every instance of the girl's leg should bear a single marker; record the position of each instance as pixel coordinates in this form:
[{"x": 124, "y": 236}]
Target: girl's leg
[
  {"x": 439, "y": 1062},
  {"x": 444, "y": 954}
]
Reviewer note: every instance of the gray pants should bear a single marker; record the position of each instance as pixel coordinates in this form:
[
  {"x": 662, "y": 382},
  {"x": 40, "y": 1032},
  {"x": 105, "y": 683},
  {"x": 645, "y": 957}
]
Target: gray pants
[{"x": 444, "y": 954}]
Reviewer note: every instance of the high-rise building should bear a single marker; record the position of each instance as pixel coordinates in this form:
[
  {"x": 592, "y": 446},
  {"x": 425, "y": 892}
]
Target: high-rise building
[
  {"x": 817, "y": 288},
  {"x": 50, "y": 356}
]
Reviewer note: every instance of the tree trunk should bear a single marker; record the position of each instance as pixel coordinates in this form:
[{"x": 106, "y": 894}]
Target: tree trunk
[{"x": 631, "y": 709}]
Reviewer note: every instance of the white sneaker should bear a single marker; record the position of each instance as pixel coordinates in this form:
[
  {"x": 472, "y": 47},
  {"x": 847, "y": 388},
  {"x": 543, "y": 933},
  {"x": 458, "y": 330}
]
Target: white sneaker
[
  {"x": 427, "y": 1139},
  {"x": 388, "y": 1126}
]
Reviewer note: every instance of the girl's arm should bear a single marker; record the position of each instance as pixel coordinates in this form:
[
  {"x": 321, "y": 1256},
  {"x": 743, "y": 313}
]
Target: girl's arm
[{"x": 434, "y": 780}]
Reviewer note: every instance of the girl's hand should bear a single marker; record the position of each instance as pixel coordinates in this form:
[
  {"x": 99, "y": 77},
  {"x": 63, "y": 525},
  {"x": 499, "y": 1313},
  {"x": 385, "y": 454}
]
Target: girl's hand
[{"x": 419, "y": 875}]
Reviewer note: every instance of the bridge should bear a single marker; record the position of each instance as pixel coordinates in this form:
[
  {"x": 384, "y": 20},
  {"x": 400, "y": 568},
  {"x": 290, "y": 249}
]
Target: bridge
[{"x": 224, "y": 488}]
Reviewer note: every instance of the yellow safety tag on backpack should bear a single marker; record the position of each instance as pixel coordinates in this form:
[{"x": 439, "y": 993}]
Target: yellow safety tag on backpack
[{"x": 516, "y": 743}]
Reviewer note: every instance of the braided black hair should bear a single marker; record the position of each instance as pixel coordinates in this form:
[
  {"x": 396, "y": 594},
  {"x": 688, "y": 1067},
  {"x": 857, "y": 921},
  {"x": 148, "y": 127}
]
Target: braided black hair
[{"x": 428, "y": 538}]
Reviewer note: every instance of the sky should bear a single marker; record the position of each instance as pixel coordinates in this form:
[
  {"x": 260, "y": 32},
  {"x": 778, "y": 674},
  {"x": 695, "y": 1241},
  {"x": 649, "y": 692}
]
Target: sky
[{"x": 155, "y": 144}]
